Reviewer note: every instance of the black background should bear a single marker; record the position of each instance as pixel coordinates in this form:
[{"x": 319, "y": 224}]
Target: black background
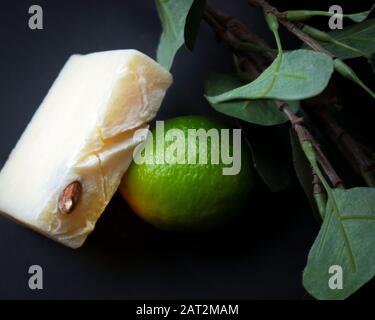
[{"x": 260, "y": 257}]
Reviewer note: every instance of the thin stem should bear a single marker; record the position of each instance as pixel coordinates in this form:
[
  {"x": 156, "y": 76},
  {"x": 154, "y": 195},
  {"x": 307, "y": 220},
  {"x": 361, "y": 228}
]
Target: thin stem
[
  {"x": 326, "y": 165},
  {"x": 290, "y": 26},
  {"x": 365, "y": 87},
  {"x": 309, "y": 151},
  {"x": 319, "y": 195}
]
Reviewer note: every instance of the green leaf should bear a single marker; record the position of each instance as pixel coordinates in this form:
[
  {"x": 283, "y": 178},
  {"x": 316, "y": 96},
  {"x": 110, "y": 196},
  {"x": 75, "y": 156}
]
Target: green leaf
[
  {"x": 360, "y": 16},
  {"x": 172, "y": 15},
  {"x": 193, "y": 22},
  {"x": 360, "y": 36},
  {"x": 303, "y": 15},
  {"x": 271, "y": 154},
  {"x": 262, "y": 112},
  {"x": 295, "y": 75},
  {"x": 346, "y": 239}
]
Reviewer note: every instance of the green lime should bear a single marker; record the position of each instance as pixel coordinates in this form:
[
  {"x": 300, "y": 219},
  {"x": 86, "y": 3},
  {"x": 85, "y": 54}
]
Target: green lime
[{"x": 181, "y": 185}]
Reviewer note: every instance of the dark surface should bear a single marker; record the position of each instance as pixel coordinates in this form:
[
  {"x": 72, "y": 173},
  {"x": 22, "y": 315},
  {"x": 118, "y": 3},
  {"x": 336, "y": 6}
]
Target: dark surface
[{"x": 260, "y": 257}]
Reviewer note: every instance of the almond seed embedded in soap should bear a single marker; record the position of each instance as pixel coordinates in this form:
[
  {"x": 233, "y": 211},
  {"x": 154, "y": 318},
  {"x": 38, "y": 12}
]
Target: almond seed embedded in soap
[{"x": 70, "y": 197}]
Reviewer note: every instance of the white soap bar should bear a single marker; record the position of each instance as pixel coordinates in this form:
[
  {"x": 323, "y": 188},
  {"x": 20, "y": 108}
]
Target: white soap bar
[{"x": 81, "y": 137}]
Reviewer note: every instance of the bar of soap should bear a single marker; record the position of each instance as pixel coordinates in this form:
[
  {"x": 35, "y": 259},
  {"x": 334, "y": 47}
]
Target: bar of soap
[{"x": 69, "y": 161}]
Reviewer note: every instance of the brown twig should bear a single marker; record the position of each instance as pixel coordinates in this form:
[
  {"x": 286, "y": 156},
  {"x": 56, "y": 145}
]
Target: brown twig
[
  {"x": 235, "y": 27},
  {"x": 357, "y": 155},
  {"x": 219, "y": 29},
  {"x": 232, "y": 33},
  {"x": 350, "y": 146}
]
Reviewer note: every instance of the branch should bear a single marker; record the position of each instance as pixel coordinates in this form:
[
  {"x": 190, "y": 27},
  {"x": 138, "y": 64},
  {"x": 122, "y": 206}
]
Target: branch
[
  {"x": 349, "y": 147},
  {"x": 235, "y": 37},
  {"x": 237, "y": 28},
  {"x": 355, "y": 154},
  {"x": 304, "y": 135},
  {"x": 230, "y": 31}
]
